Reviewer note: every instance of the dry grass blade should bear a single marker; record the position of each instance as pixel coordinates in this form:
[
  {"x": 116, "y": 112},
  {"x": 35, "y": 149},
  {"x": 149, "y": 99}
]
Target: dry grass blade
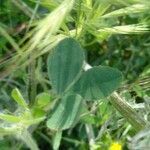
[
  {"x": 47, "y": 27},
  {"x": 137, "y": 8},
  {"x": 4, "y": 33},
  {"x": 126, "y": 29},
  {"x": 41, "y": 34}
]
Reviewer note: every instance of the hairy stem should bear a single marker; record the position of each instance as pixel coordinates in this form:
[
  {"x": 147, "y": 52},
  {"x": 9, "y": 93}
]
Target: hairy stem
[
  {"x": 28, "y": 140},
  {"x": 127, "y": 111},
  {"x": 90, "y": 134},
  {"x": 32, "y": 81}
]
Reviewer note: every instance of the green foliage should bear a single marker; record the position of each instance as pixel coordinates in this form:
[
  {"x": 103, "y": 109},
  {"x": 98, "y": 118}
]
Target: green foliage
[
  {"x": 43, "y": 99},
  {"x": 10, "y": 118},
  {"x": 65, "y": 64},
  {"x": 65, "y": 113},
  {"x": 18, "y": 98},
  {"x": 98, "y": 82},
  {"x": 17, "y": 123},
  {"x": 113, "y": 33}
]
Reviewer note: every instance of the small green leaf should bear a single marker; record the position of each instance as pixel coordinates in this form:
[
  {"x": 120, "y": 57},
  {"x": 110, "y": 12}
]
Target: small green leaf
[
  {"x": 37, "y": 112},
  {"x": 43, "y": 99},
  {"x": 10, "y": 118},
  {"x": 65, "y": 64},
  {"x": 66, "y": 113},
  {"x": 18, "y": 98},
  {"x": 98, "y": 82},
  {"x": 89, "y": 119}
]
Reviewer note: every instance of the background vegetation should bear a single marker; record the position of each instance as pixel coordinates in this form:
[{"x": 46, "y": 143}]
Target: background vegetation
[{"x": 113, "y": 33}]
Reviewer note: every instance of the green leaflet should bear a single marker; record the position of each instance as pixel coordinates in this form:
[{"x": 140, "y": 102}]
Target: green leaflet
[
  {"x": 98, "y": 82},
  {"x": 65, "y": 64},
  {"x": 43, "y": 99},
  {"x": 10, "y": 118},
  {"x": 66, "y": 113},
  {"x": 17, "y": 96}
]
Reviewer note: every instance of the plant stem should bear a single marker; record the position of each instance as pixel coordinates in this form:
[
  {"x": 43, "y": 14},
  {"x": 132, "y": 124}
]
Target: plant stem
[
  {"x": 32, "y": 81},
  {"x": 127, "y": 111},
  {"x": 28, "y": 140},
  {"x": 90, "y": 134}
]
